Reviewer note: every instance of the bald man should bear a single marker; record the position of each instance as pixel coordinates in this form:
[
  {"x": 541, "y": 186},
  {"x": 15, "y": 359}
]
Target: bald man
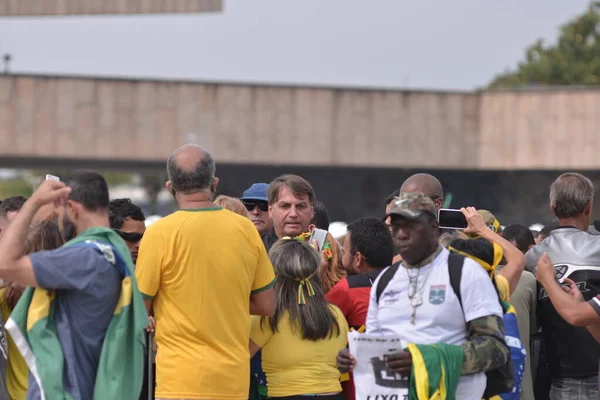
[
  {"x": 201, "y": 269},
  {"x": 427, "y": 184}
]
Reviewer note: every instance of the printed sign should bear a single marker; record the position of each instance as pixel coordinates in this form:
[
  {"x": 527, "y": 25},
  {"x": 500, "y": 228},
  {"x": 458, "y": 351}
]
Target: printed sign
[{"x": 372, "y": 379}]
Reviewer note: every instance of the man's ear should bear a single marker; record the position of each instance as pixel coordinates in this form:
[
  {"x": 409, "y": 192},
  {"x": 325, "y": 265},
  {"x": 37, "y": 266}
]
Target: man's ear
[
  {"x": 587, "y": 210},
  {"x": 168, "y": 186},
  {"x": 360, "y": 260},
  {"x": 213, "y": 186},
  {"x": 72, "y": 208},
  {"x": 551, "y": 208},
  {"x": 435, "y": 228}
]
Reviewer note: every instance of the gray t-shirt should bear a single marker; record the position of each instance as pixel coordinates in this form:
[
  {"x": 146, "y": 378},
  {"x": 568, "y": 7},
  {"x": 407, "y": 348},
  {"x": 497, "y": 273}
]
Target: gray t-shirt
[{"x": 87, "y": 291}]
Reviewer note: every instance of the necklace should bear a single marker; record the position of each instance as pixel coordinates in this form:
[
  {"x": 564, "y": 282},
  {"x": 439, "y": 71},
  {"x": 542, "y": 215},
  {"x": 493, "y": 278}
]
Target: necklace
[{"x": 415, "y": 290}]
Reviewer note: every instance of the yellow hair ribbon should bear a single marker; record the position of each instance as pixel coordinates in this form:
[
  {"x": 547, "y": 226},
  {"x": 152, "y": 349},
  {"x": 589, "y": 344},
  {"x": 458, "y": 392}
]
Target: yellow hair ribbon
[{"x": 309, "y": 289}]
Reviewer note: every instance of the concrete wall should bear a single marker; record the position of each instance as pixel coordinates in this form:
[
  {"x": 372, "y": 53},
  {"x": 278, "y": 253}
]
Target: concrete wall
[
  {"x": 242, "y": 124},
  {"x": 72, "y": 7}
]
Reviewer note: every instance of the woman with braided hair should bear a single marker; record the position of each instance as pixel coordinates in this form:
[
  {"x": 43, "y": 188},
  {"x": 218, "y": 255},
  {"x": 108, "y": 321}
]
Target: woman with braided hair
[{"x": 301, "y": 340}]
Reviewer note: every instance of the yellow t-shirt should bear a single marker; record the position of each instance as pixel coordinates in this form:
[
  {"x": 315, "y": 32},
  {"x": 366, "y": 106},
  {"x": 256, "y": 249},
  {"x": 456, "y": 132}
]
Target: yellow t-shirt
[
  {"x": 17, "y": 371},
  {"x": 200, "y": 267},
  {"x": 503, "y": 287},
  {"x": 294, "y": 366}
]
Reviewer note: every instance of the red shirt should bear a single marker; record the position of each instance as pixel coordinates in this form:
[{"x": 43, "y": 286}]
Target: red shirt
[{"x": 351, "y": 295}]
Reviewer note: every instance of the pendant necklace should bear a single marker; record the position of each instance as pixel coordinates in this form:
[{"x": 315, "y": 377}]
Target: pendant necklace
[{"x": 414, "y": 291}]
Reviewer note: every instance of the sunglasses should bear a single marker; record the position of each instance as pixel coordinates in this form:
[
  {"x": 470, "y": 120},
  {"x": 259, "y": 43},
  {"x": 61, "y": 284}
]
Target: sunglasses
[
  {"x": 251, "y": 205},
  {"x": 131, "y": 237}
]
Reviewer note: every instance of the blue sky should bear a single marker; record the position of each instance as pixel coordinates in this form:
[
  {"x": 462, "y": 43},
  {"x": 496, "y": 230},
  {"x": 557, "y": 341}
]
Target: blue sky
[{"x": 460, "y": 44}]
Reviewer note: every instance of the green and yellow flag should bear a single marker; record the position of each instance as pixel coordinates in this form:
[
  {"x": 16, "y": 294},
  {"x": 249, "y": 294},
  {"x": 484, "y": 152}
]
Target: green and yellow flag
[
  {"x": 435, "y": 371},
  {"x": 121, "y": 368}
]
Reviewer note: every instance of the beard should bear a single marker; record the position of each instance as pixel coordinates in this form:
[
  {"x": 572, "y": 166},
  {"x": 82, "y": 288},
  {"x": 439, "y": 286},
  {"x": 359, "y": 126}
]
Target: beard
[{"x": 68, "y": 229}]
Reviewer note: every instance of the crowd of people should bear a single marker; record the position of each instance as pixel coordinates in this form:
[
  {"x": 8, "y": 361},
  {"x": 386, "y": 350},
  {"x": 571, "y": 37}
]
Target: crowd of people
[{"x": 239, "y": 297}]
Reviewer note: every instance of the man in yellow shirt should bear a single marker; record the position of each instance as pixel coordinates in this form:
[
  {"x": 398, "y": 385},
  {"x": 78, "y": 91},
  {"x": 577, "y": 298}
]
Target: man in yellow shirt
[{"x": 203, "y": 271}]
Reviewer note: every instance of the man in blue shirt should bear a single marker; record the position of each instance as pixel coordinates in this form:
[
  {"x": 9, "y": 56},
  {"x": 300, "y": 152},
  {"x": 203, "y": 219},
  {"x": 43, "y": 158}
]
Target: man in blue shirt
[{"x": 87, "y": 285}]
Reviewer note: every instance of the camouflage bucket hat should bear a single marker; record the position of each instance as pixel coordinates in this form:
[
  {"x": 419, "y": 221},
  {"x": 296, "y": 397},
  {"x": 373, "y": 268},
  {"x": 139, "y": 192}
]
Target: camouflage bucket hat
[{"x": 412, "y": 206}]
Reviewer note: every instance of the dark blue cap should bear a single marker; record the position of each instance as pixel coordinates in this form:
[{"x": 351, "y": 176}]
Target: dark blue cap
[{"x": 257, "y": 191}]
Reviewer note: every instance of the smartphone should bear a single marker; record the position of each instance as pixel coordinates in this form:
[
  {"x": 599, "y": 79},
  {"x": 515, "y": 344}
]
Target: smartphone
[
  {"x": 319, "y": 235},
  {"x": 452, "y": 219},
  {"x": 52, "y": 178}
]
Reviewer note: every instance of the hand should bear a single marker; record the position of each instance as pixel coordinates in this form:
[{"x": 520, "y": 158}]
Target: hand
[
  {"x": 475, "y": 222},
  {"x": 345, "y": 361},
  {"x": 545, "y": 270},
  {"x": 573, "y": 290},
  {"x": 49, "y": 191},
  {"x": 151, "y": 325},
  {"x": 399, "y": 362},
  {"x": 45, "y": 213}
]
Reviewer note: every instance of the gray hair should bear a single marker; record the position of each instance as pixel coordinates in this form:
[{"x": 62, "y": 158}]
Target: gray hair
[
  {"x": 198, "y": 179},
  {"x": 294, "y": 261},
  {"x": 570, "y": 193}
]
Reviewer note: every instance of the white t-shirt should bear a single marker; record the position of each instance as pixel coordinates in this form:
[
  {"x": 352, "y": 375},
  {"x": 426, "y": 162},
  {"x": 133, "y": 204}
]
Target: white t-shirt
[{"x": 440, "y": 318}]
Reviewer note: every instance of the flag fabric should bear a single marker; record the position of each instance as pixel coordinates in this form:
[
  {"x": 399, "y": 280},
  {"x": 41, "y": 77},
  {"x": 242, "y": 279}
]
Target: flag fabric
[
  {"x": 33, "y": 328},
  {"x": 435, "y": 372}
]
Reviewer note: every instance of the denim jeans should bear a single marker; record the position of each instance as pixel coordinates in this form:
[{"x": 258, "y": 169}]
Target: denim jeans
[{"x": 574, "y": 389}]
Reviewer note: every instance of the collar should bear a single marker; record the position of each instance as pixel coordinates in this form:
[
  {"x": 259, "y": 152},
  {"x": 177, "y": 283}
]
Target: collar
[
  {"x": 426, "y": 261},
  {"x": 374, "y": 273}
]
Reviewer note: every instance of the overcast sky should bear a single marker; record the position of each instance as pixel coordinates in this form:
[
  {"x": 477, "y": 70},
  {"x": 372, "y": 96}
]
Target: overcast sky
[{"x": 427, "y": 44}]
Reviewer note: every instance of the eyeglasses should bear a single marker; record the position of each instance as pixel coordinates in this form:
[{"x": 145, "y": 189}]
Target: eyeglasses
[
  {"x": 251, "y": 205},
  {"x": 131, "y": 237}
]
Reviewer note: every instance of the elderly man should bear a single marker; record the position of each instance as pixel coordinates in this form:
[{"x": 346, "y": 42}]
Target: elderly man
[
  {"x": 203, "y": 270},
  {"x": 572, "y": 352}
]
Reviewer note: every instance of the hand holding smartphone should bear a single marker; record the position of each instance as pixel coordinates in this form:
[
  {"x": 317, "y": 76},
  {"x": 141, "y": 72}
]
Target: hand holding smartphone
[{"x": 452, "y": 219}]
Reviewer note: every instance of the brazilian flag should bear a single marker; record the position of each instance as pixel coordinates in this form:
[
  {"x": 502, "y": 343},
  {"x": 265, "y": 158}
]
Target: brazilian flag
[{"x": 120, "y": 371}]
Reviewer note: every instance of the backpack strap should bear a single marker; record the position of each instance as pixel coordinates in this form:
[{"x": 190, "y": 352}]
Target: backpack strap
[
  {"x": 455, "y": 264},
  {"x": 386, "y": 277},
  {"x": 455, "y": 267}
]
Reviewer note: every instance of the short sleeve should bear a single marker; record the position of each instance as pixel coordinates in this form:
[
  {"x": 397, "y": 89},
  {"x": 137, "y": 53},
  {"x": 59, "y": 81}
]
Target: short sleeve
[
  {"x": 264, "y": 276},
  {"x": 149, "y": 265},
  {"x": 372, "y": 323},
  {"x": 66, "y": 268},
  {"x": 595, "y": 303},
  {"x": 503, "y": 287},
  {"x": 531, "y": 259},
  {"x": 338, "y": 296},
  {"x": 479, "y": 298},
  {"x": 260, "y": 332}
]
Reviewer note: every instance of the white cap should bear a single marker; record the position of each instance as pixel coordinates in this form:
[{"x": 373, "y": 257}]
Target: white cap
[
  {"x": 152, "y": 219},
  {"x": 338, "y": 229}
]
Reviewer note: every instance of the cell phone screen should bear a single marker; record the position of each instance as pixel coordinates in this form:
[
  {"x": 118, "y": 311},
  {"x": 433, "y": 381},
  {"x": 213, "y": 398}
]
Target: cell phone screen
[{"x": 452, "y": 219}]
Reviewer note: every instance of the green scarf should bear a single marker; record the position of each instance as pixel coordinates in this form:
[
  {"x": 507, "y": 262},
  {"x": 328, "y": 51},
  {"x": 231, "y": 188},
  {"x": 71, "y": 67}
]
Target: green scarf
[
  {"x": 120, "y": 370},
  {"x": 435, "y": 371}
]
